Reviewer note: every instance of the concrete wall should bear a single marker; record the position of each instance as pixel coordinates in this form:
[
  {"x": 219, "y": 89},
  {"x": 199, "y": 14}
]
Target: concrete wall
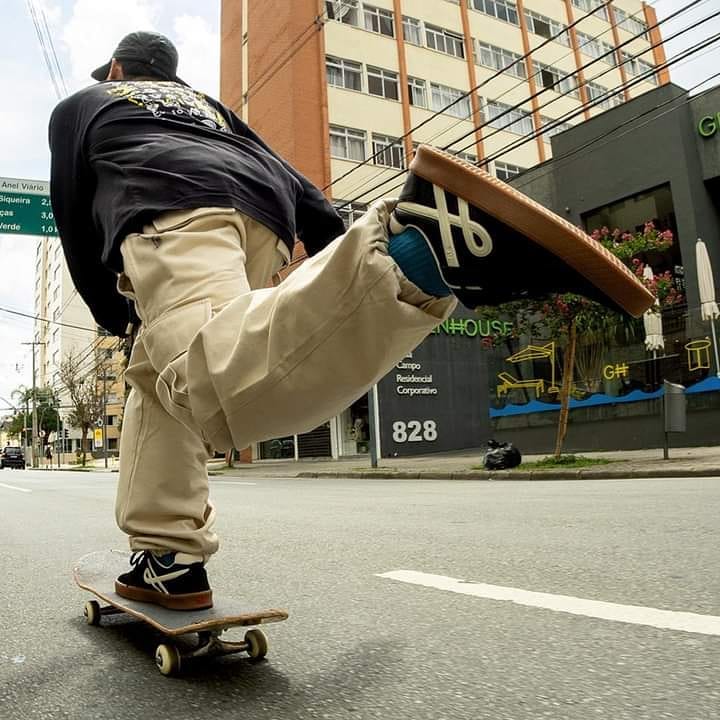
[{"x": 613, "y": 427}]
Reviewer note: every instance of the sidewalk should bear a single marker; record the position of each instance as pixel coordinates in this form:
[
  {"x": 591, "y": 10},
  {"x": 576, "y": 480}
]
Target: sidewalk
[
  {"x": 467, "y": 465},
  {"x": 683, "y": 462}
]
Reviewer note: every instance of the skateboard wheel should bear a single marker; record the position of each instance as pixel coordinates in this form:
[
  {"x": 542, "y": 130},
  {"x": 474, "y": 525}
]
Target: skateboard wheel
[
  {"x": 92, "y": 612},
  {"x": 167, "y": 658},
  {"x": 257, "y": 644}
]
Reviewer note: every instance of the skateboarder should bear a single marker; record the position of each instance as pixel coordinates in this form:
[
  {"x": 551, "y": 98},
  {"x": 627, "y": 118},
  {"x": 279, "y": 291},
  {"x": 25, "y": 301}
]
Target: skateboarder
[{"x": 170, "y": 207}]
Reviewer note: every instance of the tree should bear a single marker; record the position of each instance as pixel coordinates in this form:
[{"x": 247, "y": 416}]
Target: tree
[
  {"x": 582, "y": 328},
  {"x": 45, "y": 405},
  {"x": 85, "y": 399}
]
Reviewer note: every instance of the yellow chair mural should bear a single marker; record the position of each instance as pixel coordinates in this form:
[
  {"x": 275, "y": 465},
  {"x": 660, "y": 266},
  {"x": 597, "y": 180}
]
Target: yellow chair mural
[{"x": 531, "y": 352}]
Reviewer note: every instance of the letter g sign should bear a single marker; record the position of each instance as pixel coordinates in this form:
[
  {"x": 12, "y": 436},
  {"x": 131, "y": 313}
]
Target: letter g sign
[{"x": 709, "y": 125}]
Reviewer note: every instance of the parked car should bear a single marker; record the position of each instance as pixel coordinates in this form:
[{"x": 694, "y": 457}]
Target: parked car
[{"x": 12, "y": 457}]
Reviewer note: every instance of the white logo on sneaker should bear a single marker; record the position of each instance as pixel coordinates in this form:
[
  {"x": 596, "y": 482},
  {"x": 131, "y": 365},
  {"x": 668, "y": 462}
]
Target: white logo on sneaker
[
  {"x": 471, "y": 230},
  {"x": 156, "y": 581}
]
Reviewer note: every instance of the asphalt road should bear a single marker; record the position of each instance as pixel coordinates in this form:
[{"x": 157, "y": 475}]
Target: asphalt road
[{"x": 362, "y": 646}]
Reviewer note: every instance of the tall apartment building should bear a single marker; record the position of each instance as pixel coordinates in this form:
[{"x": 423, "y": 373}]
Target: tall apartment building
[
  {"x": 330, "y": 84},
  {"x": 57, "y": 300},
  {"x": 345, "y": 89}
]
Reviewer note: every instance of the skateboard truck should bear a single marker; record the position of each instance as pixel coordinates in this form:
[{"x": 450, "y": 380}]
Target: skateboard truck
[{"x": 168, "y": 656}]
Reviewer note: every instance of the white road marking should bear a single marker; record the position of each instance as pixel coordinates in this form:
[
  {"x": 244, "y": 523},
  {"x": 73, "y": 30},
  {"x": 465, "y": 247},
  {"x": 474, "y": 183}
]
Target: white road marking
[
  {"x": 635, "y": 614},
  {"x": 12, "y": 487},
  {"x": 230, "y": 482}
]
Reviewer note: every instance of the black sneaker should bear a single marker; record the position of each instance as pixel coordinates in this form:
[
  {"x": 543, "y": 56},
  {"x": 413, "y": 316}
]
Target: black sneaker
[
  {"x": 163, "y": 581},
  {"x": 493, "y": 244}
]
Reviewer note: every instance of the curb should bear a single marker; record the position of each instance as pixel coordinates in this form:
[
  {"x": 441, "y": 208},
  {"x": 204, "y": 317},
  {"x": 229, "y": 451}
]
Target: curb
[{"x": 546, "y": 475}]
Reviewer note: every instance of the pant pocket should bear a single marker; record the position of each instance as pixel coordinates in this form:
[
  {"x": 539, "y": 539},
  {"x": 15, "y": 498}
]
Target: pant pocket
[
  {"x": 178, "y": 219},
  {"x": 166, "y": 342}
]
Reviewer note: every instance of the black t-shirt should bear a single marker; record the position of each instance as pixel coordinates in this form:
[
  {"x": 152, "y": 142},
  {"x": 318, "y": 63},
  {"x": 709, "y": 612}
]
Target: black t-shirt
[{"x": 124, "y": 152}]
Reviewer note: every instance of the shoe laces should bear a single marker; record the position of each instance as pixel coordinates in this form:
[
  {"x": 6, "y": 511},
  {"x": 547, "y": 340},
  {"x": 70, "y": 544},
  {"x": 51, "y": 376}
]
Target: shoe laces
[{"x": 138, "y": 557}]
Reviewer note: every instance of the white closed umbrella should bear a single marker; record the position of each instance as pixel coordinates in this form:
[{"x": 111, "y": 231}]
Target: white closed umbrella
[
  {"x": 652, "y": 320},
  {"x": 706, "y": 287}
]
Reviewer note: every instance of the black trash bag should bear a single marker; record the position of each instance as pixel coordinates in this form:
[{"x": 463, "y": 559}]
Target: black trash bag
[{"x": 501, "y": 456}]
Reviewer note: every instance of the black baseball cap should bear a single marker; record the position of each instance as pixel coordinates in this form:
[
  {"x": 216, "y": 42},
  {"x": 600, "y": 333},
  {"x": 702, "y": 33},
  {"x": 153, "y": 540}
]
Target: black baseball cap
[{"x": 150, "y": 49}]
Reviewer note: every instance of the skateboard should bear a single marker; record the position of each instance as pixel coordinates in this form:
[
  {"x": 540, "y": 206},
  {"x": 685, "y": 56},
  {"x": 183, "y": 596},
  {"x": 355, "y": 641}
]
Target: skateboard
[{"x": 96, "y": 572}]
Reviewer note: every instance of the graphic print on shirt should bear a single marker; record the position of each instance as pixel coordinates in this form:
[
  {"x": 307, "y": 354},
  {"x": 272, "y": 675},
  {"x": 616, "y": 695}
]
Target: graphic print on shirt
[{"x": 170, "y": 100}]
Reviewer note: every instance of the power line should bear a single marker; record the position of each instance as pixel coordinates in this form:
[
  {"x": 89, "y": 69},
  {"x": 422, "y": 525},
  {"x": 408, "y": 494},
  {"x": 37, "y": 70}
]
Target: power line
[
  {"x": 556, "y": 121},
  {"x": 611, "y": 92},
  {"x": 48, "y": 49},
  {"x": 473, "y": 114},
  {"x": 600, "y": 99},
  {"x": 495, "y": 75},
  {"x": 610, "y": 136},
  {"x": 48, "y": 34},
  {"x": 46, "y": 320},
  {"x": 520, "y": 104},
  {"x": 532, "y": 136},
  {"x": 276, "y": 66}
]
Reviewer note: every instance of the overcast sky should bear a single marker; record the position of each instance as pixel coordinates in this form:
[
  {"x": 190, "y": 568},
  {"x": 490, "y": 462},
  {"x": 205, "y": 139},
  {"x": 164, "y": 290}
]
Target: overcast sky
[{"x": 85, "y": 32}]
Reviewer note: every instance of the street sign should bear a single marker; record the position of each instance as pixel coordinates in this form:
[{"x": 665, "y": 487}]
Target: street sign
[
  {"x": 25, "y": 208},
  {"x": 98, "y": 438}
]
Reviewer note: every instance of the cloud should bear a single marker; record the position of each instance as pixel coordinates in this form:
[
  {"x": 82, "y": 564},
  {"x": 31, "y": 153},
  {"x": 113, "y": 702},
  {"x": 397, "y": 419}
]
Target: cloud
[
  {"x": 199, "y": 49},
  {"x": 96, "y": 26}
]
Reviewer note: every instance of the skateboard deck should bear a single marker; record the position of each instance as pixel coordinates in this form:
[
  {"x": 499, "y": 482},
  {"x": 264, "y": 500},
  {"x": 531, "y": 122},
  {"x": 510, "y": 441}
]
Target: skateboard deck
[{"x": 96, "y": 573}]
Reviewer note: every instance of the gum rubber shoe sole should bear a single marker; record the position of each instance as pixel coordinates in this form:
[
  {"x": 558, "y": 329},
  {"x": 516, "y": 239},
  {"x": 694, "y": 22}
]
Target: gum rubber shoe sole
[{"x": 559, "y": 237}]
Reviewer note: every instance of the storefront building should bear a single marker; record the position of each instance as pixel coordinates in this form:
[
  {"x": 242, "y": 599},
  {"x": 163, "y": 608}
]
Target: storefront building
[{"x": 654, "y": 159}]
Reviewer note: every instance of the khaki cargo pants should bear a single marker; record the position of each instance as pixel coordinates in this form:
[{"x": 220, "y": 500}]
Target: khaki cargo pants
[{"x": 222, "y": 360}]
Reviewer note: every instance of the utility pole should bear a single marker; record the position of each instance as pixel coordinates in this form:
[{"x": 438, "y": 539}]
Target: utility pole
[
  {"x": 105, "y": 442},
  {"x": 34, "y": 408}
]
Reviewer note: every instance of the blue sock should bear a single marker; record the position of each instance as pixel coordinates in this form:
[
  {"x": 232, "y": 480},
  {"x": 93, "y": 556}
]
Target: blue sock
[{"x": 414, "y": 257}]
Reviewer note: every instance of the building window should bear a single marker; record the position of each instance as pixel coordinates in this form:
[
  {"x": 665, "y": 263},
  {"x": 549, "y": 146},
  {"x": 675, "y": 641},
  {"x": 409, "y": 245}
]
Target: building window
[
  {"x": 445, "y": 41},
  {"x": 379, "y": 21},
  {"x": 417, "y": 90},
  {"x": 383, "y": 83},
  {"x": 500, "y": 59},
  {"x": 506, "y": 171},
  {"x": 596, "y": 48},
  {"x": 547, "y": 27},
  {"x": 343, "y": 73},
  {"x": 556, "y": 129},
  {"x": 513, "y": 119},
  {"x": 466, "y": 156},
  {"x": 412, "y": 30},
  {"x": 388, "y": 151},
  {"x": 441, "y": 96},
  {"x": 630, "y": 23},
  {"x": 345, "y": 11},
  {"x": 553, "y": 79},
  {"x": 500, "y": 9},
  {"x": 349, "y": 212},
  {"x": 599, "y": 93},
  {"x": 636, "y": 67},
  {"x": 347, "y": 143},
  {"x": 589, "y": 5}
]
